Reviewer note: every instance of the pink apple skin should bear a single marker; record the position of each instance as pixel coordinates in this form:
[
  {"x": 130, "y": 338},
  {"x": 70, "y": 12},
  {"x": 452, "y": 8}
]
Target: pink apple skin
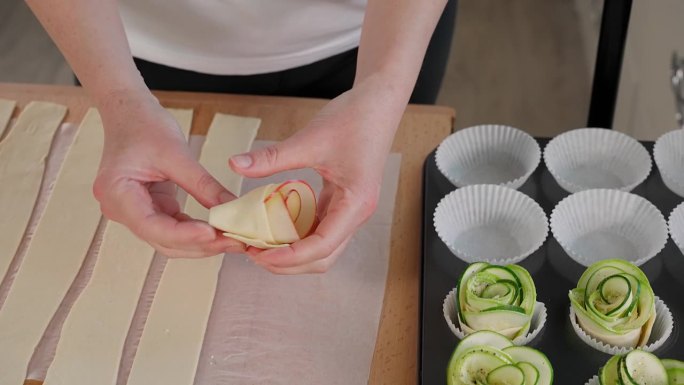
[
  {"x": 293, "y": 201},
  {"x": 282, "y": 227},
  {"x": 307, "y": 218},
  {"x": 271, "y": 195}
]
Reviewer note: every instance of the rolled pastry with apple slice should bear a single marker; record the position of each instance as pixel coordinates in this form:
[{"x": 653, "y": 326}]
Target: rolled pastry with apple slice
[{"x": 274, "y": 215}]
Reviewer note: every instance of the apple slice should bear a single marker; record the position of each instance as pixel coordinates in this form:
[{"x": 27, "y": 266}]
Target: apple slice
[
  {"x": 303, "y": 201},
  {"x": 293, "y": 201},
  {"x": 279, "y": 220},
  {"x": 273, "y": 215}
]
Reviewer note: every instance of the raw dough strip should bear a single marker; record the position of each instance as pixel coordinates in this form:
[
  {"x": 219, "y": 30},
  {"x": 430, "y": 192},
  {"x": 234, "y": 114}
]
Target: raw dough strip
[
  {"x": 22, "y": 164},
  {"x": 170, "y": 345},
  {"x": 92, "y": 338},
  {"x": 55, "y": 254},
  {"x": 6, "y": 110}
]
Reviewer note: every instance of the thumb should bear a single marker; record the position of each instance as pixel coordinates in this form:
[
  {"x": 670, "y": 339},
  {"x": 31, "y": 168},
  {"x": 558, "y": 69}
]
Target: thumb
[
  {"x": 197, "y": 181},
  {"x": 268, "y": 160}
]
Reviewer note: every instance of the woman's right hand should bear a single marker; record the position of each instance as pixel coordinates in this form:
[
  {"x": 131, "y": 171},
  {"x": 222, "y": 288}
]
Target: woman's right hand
[{"x": 145, "y": 155}]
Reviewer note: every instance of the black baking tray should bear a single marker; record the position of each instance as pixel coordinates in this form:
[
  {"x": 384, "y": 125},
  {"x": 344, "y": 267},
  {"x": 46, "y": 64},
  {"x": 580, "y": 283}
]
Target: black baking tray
[{"x": 554, "y": 273}]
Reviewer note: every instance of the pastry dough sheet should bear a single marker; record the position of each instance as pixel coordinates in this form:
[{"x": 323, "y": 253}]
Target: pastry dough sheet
[
  {"x": 22, "y": 165},
  {"x": 54, "y": 256},
  {"x": 6, "y": 110},
  {"x": 86, "y": 354},
  {"x": 171, "y": 341},
  {"x": 60, "y": 146}
]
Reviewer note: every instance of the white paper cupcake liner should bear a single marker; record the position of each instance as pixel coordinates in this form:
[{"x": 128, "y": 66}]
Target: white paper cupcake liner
[
  {"x": 668, "y": 153},
  {"x": 488, "y": 154},
  {"x": 676, "y": 226},
  {"x": 593, "y": 381},
  {"x": 600, "y": 224},
  {"x": 662, "y": 329},
  {"x": 589, "y": 158},
  {"x": 489, "y": 223},
  {"x": 451, "y": 317}
]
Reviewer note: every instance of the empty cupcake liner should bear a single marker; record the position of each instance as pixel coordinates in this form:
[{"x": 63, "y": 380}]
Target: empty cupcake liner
[
  {"x": 588, "y": 158},
  {"x": 676, "y": 226},
  {"x": 488, "y": 154},
  {"x": 668, "y": 153},
  {"x": 451, "y": 317},
  {"x": 600, "y": 224},
  {"x": 662, "y": 329},
  {"x": 489, "y": 223}
]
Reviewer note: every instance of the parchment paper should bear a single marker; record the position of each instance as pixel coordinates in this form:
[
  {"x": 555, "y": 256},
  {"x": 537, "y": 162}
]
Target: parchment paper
[
  {"x": 264, "y": 329},
  {"x": 314, "y": 329}
]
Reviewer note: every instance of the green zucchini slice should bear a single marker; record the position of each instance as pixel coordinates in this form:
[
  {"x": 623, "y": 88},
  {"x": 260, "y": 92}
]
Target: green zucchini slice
[
  {"x": 609, "y": 374},
  {"x": 482, "y": 338},
  {"x": 531, "y": 373},
  {"x": 536, "y": 359},
  {"x": 474, "y": 365},
  {"x": 642, "y": 368},
  {"x": 506, "y": 375}
]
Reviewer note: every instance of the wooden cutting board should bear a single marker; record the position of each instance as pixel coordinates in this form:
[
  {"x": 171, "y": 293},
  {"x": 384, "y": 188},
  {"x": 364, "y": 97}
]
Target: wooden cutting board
[{"x": 396, "y": 351}]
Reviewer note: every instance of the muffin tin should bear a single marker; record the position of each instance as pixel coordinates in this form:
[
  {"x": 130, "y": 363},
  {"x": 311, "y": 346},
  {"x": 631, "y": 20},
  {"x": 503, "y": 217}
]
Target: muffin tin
[{"x": 554, "y": 272}]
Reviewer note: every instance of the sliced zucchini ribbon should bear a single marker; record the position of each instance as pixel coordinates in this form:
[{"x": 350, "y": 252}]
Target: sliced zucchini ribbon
[
  {"x": 489, "y": 358},
  {"x": 641, "y": 368},
  {"x": 496, "y": 298},
  {"x": 614, "y": 303}
]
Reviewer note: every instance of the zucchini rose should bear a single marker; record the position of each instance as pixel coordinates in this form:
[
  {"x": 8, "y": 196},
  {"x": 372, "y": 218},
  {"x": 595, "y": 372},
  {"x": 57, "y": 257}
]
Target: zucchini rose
[
  {"x": 641, "y": 368},
  {"x": 496, "y": 298},
  {"x": 488, "y": 358},
  {"x": 614, "y": 303}
]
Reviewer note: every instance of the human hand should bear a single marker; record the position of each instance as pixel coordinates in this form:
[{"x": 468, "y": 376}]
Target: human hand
[
  {"x": 144, "y": 154},
  {"x": 347, "y": 143}
]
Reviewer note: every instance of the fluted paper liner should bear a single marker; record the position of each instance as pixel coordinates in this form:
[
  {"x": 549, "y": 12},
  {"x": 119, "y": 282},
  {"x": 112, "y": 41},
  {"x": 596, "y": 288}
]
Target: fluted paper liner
[
  {"x": 489, "y": 223},
  {"x": 488, "y": 154},
  {"x": 588, "y": 158},
  {"x": 662, "y": 329},
  {"x": 600, "y": 224},
  {"x": 451, "y": 316},
  {"x": 593, "y": 381},
  {"x": 668, "y": 153},
  {"x": 676, "y": 226}
]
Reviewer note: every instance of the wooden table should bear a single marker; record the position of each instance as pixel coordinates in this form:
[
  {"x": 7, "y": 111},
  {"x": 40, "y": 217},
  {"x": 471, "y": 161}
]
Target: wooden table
[{"x": 422, "y": 128}]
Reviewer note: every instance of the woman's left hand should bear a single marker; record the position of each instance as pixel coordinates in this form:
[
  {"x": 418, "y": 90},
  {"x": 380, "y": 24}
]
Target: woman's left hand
[{"x": 347, "y": 143}]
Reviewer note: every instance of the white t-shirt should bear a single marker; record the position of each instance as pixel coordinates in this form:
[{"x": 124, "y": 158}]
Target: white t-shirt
[{"x": 241, "y": 37}]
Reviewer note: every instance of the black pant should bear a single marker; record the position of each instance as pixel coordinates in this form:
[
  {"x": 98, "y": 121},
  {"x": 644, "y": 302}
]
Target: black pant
[{"x": 324, "y": 79}]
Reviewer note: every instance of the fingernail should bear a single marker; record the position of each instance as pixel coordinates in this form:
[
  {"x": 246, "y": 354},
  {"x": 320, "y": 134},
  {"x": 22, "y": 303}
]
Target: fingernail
[{"x": 242, "y": 161}]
